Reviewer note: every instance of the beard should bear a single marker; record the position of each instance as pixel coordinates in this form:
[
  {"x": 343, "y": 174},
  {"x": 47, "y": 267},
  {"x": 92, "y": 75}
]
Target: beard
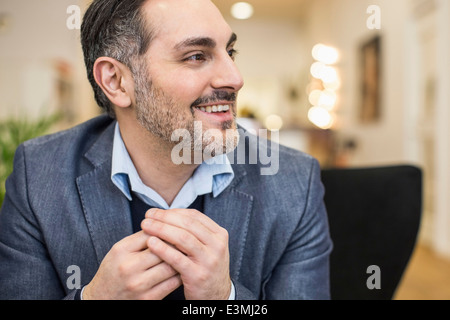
[{"x": 161, "y": 116}]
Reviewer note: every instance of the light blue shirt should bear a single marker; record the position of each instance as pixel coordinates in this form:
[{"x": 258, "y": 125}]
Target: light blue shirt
[{"x": 211, "y": 177}]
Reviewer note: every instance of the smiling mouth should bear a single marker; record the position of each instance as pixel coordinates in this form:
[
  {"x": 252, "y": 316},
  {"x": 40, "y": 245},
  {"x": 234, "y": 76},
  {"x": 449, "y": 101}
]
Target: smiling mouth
[{"x": 215, "y": 109}]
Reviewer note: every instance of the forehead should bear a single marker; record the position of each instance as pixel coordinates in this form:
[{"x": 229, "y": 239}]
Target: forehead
[{"x": 176, "y": 20}]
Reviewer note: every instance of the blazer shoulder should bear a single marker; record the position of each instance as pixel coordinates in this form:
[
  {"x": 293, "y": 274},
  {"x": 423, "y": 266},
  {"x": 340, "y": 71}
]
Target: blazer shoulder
[
  {"x": 267, "y": 157},
  {"x": 83, "y": 131},
  {"x": 64, "y": 151}
]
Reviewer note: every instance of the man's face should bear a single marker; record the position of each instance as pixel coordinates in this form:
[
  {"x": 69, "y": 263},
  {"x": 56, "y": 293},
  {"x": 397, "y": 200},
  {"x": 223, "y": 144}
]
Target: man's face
[{"x": 188, "y": 70}]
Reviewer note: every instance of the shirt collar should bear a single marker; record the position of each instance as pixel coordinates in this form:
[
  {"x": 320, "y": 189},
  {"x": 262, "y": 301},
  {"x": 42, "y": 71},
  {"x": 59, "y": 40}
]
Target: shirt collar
[{"x": 213, "y": 176}]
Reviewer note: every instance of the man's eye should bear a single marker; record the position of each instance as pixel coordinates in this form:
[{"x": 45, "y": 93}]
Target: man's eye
[
  {"x": 196, "y": 57},
  {"x": 232, "y": 53}
]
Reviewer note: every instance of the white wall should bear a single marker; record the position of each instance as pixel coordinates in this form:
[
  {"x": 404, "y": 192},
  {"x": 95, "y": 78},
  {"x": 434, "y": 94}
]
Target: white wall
[{"x": 272, "y": 54}]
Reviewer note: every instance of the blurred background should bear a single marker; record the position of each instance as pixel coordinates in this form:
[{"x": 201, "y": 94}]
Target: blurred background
[{"x": 355, "y": 83}]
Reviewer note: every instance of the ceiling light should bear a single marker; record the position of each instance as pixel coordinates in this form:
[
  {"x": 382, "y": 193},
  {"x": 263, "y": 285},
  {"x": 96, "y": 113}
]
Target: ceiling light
[
  {"x": 329, "y": 75},
  {"x": 321, "y": 117},
  {"x": 317, "y": 69},
  {"x": 325, "y": 54},
  {"x": 242, "y": 10}
]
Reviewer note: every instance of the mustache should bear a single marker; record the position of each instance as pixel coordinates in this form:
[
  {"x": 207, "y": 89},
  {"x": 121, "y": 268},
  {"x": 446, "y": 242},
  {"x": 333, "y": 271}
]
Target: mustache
[{"x": 216, "y": 96}]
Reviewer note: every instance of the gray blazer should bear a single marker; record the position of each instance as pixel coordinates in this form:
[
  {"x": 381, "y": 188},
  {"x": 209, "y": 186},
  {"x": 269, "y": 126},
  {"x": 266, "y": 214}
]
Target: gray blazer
[{"x": 61, "y": 210}]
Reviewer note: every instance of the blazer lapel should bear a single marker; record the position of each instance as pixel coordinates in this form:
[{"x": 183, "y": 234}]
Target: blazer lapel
[
  {"x": 232, "y": 210},
  {"x": 106, "y": 209}
]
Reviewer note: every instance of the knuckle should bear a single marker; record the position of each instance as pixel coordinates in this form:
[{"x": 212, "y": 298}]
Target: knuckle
[
  {"x": 185, "y": 237},
  {"x": 223, "y": 237},
  {"x": 214, "y": 261},
  {"x": 178, "y": 259},
  {"x": 132, "y": 285},
  {"x": 123, "y": 269},
  {"x": 193, "y": 212},
  {"x": 202, "y": 276},
  {"x": 188, "y": 222},
  {"x": 224, "y": 233},
  {"x": 157, "y": 226},
  {"x": 117, "y": 248},
  {"x": 158, "y": 214},
  {"x": 156, "y": 246}
]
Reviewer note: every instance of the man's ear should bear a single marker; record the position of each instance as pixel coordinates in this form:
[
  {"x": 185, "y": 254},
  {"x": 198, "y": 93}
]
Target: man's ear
[{"x": 115, "y": 79}]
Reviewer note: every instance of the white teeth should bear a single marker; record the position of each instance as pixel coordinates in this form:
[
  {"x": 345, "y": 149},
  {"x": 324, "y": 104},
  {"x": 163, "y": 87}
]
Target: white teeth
[{"x": 217, "y": 108}]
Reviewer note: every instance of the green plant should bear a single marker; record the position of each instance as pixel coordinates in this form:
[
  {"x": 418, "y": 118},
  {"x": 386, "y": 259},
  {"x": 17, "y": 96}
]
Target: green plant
[{"x": 13, "y": 132}]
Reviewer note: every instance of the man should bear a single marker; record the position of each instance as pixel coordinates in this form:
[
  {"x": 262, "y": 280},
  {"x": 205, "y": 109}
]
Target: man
[{"x": 107, "y": 198}]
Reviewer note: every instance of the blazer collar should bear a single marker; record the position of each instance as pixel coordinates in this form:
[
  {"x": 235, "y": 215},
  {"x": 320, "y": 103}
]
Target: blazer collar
[
  {"x": 232, "y": 210},
  {"x": 106, "y": 209}
]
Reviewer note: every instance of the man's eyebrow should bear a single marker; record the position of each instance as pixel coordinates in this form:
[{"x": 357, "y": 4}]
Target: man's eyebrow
[
  {"x": 233, "y": 38},
  {"x": 196, "y": 42},
  {"x": 202, "y": 42}
]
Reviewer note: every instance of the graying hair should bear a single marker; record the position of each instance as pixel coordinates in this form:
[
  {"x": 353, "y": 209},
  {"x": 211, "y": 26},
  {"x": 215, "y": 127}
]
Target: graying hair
[{"x": 115, "y": 29}]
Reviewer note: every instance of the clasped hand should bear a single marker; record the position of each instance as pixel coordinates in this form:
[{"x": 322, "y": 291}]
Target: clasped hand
[{"x": 175, "y": 247}]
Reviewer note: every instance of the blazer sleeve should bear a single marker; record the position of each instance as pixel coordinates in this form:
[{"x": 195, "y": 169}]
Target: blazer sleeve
[
  {"x": 303, "y": 271},
  {"x": 242, "y": 293},
  {"x": 26, "y": 270}
]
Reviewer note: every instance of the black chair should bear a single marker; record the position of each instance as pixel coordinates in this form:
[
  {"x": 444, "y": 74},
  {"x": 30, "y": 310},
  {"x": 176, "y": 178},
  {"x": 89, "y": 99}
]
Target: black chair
[{"x": 374, "y": 216}]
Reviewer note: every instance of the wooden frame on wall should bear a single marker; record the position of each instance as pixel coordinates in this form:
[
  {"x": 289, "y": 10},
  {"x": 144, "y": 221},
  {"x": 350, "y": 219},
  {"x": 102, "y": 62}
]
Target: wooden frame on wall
[{"x": 370, "y": 58}]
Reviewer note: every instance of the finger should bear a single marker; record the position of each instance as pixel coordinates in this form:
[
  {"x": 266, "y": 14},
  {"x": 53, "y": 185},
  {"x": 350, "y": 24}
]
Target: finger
[
  {"x": 136, "y": 249},
  {"x": 147, "y": 280},
  {"x": 159, "y": 273},
  {"x": 172, "y": 214},
  {"x": 164, "y": 288},
  {"x": 190, "y": 220},
  {"x": 133, "y": 243},
  {"x": 183, "y": 240},
  {"x": 137, "y": 262},
  {"x": 146, "y": 259},
  {"x": 175, "y": 258}
]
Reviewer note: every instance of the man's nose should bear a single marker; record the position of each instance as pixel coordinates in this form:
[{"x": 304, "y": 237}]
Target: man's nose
[{"x": 227, "y": 75}]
